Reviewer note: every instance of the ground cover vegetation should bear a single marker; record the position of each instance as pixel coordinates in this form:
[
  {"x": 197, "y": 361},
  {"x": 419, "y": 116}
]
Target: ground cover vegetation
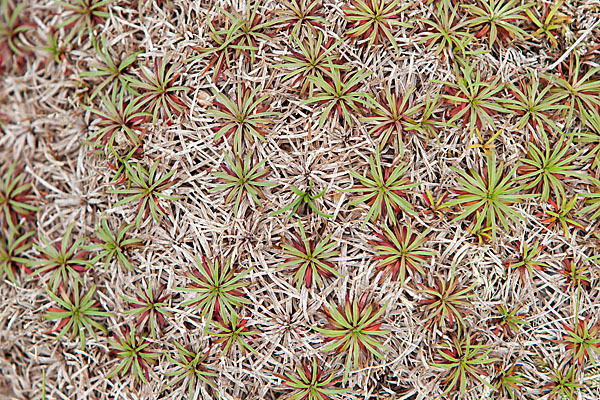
[{"x": 302, "y": 199}]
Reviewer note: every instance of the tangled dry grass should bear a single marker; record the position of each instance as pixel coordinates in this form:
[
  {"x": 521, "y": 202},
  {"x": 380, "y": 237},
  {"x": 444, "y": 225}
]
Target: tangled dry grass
[{"x": 46, "y": 120}]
